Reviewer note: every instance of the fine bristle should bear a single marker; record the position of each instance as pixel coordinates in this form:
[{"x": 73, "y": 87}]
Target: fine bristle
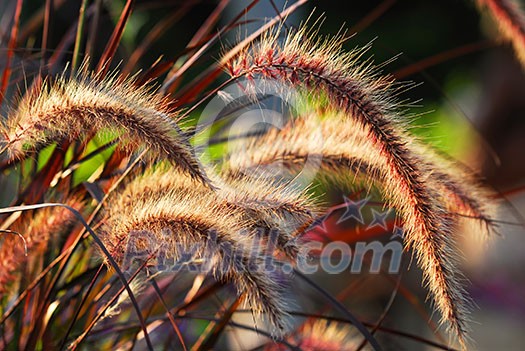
[
  {"x": 69, "y": 108},
  {"x": 275, "y": 208}
]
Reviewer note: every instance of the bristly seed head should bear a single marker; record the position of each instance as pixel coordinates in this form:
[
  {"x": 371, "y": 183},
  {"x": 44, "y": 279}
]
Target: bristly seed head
[
  {"x": 69, "y": 108},
  {"x": 165, "y": 210},
  {"x": 321, "y": 68}
]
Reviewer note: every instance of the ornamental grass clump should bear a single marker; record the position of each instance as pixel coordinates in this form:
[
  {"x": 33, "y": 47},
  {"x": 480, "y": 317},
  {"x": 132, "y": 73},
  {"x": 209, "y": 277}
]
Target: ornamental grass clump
[{"x": 109, "y": 193}]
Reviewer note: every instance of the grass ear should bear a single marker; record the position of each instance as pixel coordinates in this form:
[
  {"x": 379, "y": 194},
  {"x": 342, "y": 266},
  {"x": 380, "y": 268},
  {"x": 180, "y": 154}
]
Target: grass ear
[
  {"x": 510, "y": 18},
  {"x": 320, "y": 68},
  {"x": 69, "y": 108},
  {"x": 159, "y": 213}
]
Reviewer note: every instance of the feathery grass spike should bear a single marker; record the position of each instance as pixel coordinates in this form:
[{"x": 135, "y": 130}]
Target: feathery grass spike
[
  {"x": 174, "y": 222},
  {"x": 68, "y": 108},
  {"x": 37, "y": 230},
  {"x": 509, "y": 16},
  {"x": 323, "y": 335},
  {"x": 266, "y": 206},
  {"x": 321, "y": 66},
  {"x": 341, "y": 149}
]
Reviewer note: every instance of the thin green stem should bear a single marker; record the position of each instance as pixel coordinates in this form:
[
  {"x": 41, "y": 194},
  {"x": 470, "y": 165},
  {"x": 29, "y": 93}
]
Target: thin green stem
[{"x": 79, "y": 36}]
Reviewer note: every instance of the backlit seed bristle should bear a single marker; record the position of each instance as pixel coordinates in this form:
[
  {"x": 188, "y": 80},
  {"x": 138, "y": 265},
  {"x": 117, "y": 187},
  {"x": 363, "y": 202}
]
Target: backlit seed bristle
[
  {"x": 69, "y": 108},
  {"x": 37, "y": 228},
  {"x": 320, "y": 66},
  {"x": 174, "y": 220},
  {"x": 510, "y": 18}
]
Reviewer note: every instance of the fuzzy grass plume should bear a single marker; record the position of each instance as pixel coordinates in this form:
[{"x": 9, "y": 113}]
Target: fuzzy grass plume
[
  {"x": 340, "y": 149},
  {"x": 321, "y": 68},
  {"x": 160, "y": 216},
  {"x": 70, "y": 108},
  {"x": 278, "y": 212},
  {"x": 509, "y": 16},
  {"x": 37, "y": 229},
  {"x": 323, "y": 335}
]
